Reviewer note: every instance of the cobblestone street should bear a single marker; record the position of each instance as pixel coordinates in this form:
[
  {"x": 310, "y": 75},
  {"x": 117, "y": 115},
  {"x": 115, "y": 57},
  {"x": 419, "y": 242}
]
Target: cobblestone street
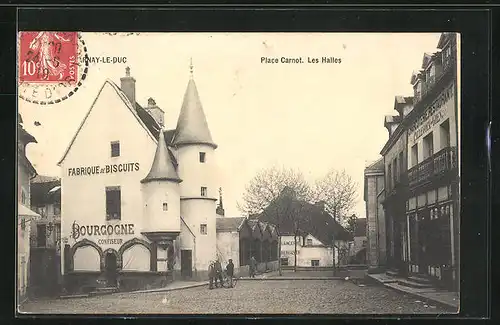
[{"x": 249, "y": 297}]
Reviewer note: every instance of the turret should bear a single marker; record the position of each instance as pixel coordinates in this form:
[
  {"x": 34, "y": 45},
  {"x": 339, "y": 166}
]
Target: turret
[
  {"x": 195, "y": 151},
  {"x": 161, "y": 195}
]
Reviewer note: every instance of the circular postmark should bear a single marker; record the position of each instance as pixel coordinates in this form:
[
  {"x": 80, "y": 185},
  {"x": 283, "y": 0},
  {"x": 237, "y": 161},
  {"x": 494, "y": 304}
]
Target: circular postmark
[{"x": 51, "y": 66}]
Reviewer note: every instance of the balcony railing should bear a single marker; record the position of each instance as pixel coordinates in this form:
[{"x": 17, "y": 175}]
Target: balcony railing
[{"x": 438, "y": 164}]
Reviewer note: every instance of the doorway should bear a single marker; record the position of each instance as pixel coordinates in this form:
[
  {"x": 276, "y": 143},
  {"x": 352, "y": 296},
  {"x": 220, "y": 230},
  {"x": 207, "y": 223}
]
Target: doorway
[
  {"x": 186, "y": 263},
  {"x": 111, "y": 269}
]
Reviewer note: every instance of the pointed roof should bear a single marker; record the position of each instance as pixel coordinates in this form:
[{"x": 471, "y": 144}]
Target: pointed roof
[
  {"x": 192, "y": 127},
  {"x": 163, "y": 166}
]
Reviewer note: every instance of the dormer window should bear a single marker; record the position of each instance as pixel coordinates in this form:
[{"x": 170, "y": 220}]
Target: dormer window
[{"x": 115, "y": 149}]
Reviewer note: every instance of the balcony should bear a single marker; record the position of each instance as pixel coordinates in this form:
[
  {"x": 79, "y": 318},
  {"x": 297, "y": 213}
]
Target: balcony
[{"x": 438, "y": 164}]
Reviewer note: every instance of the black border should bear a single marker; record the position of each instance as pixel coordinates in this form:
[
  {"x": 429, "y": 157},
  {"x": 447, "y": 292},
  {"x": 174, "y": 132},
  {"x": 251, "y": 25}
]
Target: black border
[{"x": 475, "y": 35}]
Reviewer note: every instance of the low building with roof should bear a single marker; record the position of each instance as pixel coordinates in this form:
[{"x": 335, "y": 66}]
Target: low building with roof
[
  {"x": 314, "y": 230},
  {"x": 240, "y": 238}
]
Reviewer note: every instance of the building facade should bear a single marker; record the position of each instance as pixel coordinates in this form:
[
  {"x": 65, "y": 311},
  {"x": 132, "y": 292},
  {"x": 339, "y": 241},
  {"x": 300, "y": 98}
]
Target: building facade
[
  {"x": 319, "y": 237},
  {"x": 375, "y": 214},
  {"x": 423, "y": 183},
  {"x": 138, "y": 202},
  {"x": 45, "y": 243},
  {"x": 395, "y": 155},
  {"x": 358, "y": 248},
  {"x": 25, "y": 216}
]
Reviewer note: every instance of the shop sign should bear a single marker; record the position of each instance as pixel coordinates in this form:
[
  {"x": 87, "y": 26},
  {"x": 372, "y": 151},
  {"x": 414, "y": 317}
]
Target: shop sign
[
  {"x": 107, "y": 169},
  {"x": 102, "y": 230},
  {"x": 433, "y": 115}
]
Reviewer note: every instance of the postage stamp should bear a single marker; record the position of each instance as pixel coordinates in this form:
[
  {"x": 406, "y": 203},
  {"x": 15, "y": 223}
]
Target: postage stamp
[
  {"x": 51, "y": 65},
  {"x": 319, "y": 171}
]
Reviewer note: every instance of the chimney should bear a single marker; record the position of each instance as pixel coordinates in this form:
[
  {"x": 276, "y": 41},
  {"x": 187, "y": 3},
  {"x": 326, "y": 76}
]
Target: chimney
[
  {"x": 157, "y": 113},
  {"x": 128, "y": 86}
]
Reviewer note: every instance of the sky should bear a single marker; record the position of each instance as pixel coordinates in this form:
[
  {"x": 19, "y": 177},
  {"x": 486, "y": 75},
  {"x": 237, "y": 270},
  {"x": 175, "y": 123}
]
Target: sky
[{"x": 310, "y": 117}]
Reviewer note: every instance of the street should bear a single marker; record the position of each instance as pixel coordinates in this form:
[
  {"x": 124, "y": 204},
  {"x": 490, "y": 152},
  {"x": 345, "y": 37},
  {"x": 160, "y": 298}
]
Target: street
[{"x": 249, "y": 297}]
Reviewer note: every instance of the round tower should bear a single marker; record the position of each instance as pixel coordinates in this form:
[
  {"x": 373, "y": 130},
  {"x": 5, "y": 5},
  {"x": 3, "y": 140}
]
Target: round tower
[
  {"x": 161, "y": 197},
  {"x": 196, "y": 166}
]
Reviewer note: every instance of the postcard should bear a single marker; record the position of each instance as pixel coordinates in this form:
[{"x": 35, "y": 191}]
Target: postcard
[{"x": 238, "y": 173}]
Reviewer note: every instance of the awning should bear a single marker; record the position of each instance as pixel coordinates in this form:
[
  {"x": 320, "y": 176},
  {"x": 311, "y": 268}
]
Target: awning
[{"x": 26, "y": 212}]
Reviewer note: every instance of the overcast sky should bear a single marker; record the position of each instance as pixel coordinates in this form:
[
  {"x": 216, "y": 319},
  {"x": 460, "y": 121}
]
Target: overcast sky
[{"x": 313, "y": 117}]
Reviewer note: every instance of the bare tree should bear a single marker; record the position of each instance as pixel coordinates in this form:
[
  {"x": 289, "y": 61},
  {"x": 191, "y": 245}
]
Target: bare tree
[
  {"x": 269, "y": 184},
  {"x": 272, "y": 192},
  {"x": 338, "y": 190}
]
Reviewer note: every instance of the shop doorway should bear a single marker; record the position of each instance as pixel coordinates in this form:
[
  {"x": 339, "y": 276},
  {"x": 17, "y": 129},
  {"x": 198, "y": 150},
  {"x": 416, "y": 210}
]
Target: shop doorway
[
  {"x": 186, "y": 263},
  {"x": 111, "y": 269}
]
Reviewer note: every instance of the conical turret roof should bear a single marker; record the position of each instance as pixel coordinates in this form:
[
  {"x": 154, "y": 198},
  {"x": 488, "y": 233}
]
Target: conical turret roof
[
  {"x": 162, "y": 167},
  {"x": 192, "y": 127}
]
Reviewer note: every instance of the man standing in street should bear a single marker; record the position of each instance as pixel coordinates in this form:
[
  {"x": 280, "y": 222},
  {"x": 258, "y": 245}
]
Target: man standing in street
[
  {"x": 230, "y": 272},
  {"x": 211, "y": 275},
  {"x": 218, "y": 273},
  {"x": 253, "y": 267}
]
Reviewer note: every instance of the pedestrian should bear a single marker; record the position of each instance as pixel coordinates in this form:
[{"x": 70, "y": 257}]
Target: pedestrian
[
  {"x": 230, "y": 272},
  {"x": 218, "y": 273},
  {"x": 253, "y": 267},
  {"x": 211, "y": 275}
]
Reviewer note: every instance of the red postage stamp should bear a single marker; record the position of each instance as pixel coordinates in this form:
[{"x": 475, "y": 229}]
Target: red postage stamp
[{"x": 48, "y": 57}]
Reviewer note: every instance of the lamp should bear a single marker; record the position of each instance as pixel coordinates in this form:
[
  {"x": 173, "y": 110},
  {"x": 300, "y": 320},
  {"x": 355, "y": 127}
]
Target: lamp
[{"x": 50, "y": 228}]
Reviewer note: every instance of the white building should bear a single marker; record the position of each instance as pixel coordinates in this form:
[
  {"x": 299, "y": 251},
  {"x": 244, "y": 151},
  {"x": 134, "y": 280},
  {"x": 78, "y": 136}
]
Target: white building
[{"x": 138, "y": 202}]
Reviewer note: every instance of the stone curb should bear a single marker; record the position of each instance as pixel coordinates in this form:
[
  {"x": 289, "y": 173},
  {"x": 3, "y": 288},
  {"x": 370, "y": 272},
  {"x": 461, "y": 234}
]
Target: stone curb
[
  {"x": 194, "y": 285},
  {"x": 291, "y": 278},
  {"x": 415, "y": 294}
]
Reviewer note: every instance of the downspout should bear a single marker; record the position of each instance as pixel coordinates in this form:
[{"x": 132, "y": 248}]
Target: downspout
[{"x": 194, "y": 245}]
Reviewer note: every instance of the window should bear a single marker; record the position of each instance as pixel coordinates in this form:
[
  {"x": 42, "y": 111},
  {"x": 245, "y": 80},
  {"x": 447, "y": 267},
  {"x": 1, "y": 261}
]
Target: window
[
  {"x": 115, "y": 149},
  {"x": 203, "y": 229},
  {"x": 57, "y": 209},
  {"x": 365, "y": 242},
  {"x": 165, "y": 206},
  {"x": 428, "y": 146},
  {"x": 414, "y": 155},
  {"x": 41, "y": 235},
  {"x": 309, "y": 242},
  {"x": 314, "y": 262},
  {"x": 444, "y": 131},
  {"x": 284, "y": 261},
  {"x": 203, "y": 191},
  {"x": 113, "y": 203},
  {"x": 202, "y": 157}
]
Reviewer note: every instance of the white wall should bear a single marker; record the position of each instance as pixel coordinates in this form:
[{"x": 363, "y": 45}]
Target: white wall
[
  {"x": 317, "y": 251},
  {"x": 195, "y": 213},
  {"x": 136, "y": 258},
  {"x": 156, "y": 193},
  {"x": 83, "y": 197},
  {"x": 195, "y": 174},
  {"x": 87, "y": 259},
  {"x": 228, "y": 247}
]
